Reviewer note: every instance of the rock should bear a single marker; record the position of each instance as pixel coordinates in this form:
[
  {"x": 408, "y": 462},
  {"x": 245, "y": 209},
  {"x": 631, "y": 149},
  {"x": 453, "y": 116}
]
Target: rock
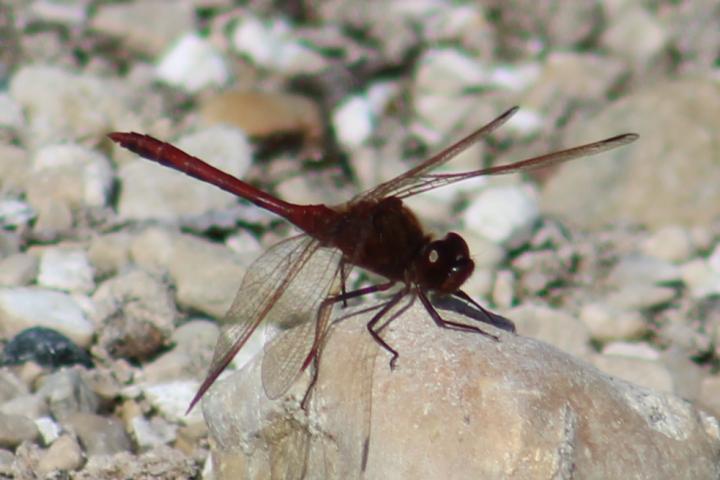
[
  {"x": 207, "y": 275},
  {"x": 27, "y": 405},
  {"x": 109, "y": 253},
  {"x": 49, "y": 429},
  {"x": 355, "y": 118},
  {"x": 710, "y": 394},
  {"x": 67, "y": 393},
  {"x": 171, "y": 400},
  {"x": 159, "y": 463},
  {"x": 153, "y": 432},
  {"x": 18, "y": 270},
  {"x": 646, "y": 373},
  {"x": 151, "y": 191},
  {"x": 193, "y": 64},
  {"x": 607, "y": 322},
  {"x": 69, "y": 14},
  {"x": 11, "y": 115},
  {"x": 25, "y": 307},
  {"x": 701, "y": 278},
  {"x": 640, "y": 297},
  {"x": 15, "y": 166},
  {"x": 98, "y": 435},
  {"x": 272, "y": 44},
  {"x": 552, "y": 326},
  {"x": 531, "y": 410},
  {"x": 672, "y": 243},
  {"x": 503, "y": 214},
  {"x": 647, "y": 182},
  {"x": 66, "y": 269},
  {"x": 144, "y": 26},
  {"x": 636, "y": 35},
  {"x": 15, "y": 214},
  {"x": 503, "y": 292},
  {"x": 136, "y": 313},
  {"x": 45, "y": 347},
  {"x": 7, "y": 459},
  {"x": 61, "y": 105},
  {"x": 10, "y": 386},
  {"x": 263, "y": 114},
  {"x": 638, "y": 269},
  {"x": 15, "y": 429},
  {"x": 64, "y": 454}
]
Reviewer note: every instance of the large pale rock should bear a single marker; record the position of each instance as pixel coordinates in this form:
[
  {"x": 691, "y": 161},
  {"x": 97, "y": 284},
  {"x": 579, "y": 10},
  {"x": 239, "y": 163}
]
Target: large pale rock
[
  {"x": 668, "y": 177},
  {"x": 459, "y": 406}
]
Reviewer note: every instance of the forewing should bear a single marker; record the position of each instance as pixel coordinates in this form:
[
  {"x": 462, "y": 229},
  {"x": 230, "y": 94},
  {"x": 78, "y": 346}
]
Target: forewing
[
  {"x": 409, "y": 178},
  {"x": 264, "y": 288},
  {"x": 429, "y": 182},
  {"x": 298, "y": 316}
]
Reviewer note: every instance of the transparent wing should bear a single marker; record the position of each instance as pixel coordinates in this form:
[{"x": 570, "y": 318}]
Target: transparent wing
[
  {"x": 430, "y": 182},
  {"x": 410, "y": 178},
  {"x": 301, "y": 317},
  {"x": 271, "y": 291}
]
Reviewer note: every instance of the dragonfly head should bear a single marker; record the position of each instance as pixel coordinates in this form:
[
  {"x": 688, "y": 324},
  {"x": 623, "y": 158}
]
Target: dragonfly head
[{"x": 444, "y": 264}]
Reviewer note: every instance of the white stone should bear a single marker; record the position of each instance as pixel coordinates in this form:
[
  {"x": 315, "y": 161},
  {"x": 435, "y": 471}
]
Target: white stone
[
  {"x": 171, "y": 399},
  {"x": 607, "y": 322},
  {"x": 353, "y": 121},
  {"x": 193, "y": 64},
  {"x": 702, "y": 280},
  {"x": 66, "y": 269},
  {"x": 11, "y": 114},
  {"x": 74, "y": 173},
  {"x": 671, "y": 243},
  {"x": 635, "y": 350},
  {"x": 448, "y": 71},
  {"x": 503, "y": 213},
  {"x": 151, "y": 191},
  {"x": 49, "y": 429},
  {"x": 272, "y": 44},
  {"x": 22, "y": 308},
  {"x": 15, "y": 213}
]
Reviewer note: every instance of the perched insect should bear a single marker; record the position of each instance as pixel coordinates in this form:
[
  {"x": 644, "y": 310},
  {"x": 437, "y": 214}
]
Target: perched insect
[{"x": 297, "y": 281}]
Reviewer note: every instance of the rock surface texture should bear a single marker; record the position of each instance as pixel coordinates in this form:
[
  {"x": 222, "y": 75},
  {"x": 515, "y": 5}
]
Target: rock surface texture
[{"x": 459, "y": 403}]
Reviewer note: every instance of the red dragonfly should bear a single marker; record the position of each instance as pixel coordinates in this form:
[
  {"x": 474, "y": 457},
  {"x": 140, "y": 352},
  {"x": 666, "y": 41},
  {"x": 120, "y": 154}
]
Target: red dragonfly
[{"x": 294, "y": 285}]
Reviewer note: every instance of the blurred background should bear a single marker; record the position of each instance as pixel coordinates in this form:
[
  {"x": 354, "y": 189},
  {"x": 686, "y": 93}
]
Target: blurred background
[{"x": 124, "y": 264}]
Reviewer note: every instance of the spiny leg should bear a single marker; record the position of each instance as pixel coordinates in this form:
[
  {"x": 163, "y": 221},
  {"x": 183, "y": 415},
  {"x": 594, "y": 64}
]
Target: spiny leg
[
  {"x": 488, "y": 315},
  {"x": 448, "y": 324},
  {"x": 378, "y": 316},
  {"x": 320, "y": 331}
]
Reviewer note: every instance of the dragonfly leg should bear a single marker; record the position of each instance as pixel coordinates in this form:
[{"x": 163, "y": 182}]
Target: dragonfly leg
[
  {"x": 343, "y": 277},
  {"x": 440, "y": 322},
  {"x": 490, "y": 318},
  {"x": 345, "y": 296},
  {"x": 377, "y": 317}
]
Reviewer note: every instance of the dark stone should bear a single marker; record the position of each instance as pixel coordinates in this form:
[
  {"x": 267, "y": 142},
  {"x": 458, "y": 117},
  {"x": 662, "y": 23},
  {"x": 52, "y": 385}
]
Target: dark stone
[{"x": 46, "y": 347}]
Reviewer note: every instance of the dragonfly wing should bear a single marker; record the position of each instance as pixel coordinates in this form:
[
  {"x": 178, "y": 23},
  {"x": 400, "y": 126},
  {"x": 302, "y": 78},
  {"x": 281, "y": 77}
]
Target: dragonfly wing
[
  {"x": 262, "y": 287},
  {"x": 431, "y": 181},
  {"x": 410, "y": 177},
  {"x": 299, "y": 318}
]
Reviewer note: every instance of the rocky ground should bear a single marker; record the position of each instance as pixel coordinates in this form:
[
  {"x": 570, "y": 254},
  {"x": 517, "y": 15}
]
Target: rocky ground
[{"x": 614, "y": 260}]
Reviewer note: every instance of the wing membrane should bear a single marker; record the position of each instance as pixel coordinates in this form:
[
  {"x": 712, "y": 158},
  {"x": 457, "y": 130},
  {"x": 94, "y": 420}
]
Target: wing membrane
[
  {"x": 429, "y": 182},
  {"x": 265, "y": 294},
  {"x": 410, "y": 178}
]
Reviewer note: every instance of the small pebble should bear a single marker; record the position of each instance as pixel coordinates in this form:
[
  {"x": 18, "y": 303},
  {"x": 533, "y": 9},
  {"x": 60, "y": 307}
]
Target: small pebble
[
  {"x": 503, "y": 214},
  {"x": 15, "y": 429},
  {"x": 67, "y": 393},
  {"x": 27, "y": 307},
  {"x": 671, "y": 243},
  {"x": 193, "y": 64},
  {"x": 99, "y": 435},
  {"x": 63, "y": 455},
  {"x": 18, "y": 270},
  {"x": 66, "y": 269},
  {"x": 48, "y": 428},
  {"x": 45, "y": 347}
]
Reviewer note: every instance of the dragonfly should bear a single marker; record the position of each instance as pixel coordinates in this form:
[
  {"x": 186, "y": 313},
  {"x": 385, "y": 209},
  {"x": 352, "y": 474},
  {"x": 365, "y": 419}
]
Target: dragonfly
[{"x": 295, "y": 284}]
